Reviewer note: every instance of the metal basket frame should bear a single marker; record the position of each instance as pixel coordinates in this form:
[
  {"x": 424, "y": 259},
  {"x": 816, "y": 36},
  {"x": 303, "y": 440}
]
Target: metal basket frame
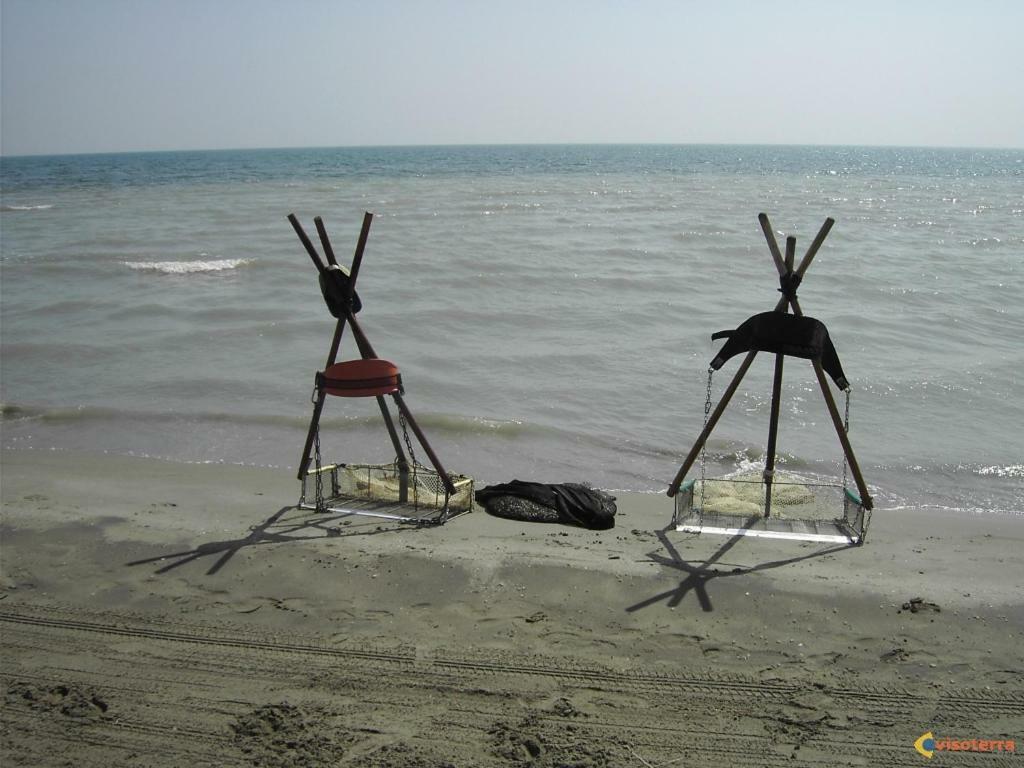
[
  {"x": 379, "y": 495},
  {"x": 850, "y": 528}
]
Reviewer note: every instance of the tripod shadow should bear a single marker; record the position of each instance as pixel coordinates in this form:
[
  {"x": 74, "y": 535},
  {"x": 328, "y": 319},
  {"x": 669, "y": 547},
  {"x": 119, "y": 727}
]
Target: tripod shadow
[
  {"x": 279, "y": 528},
  {"x": 700, "y": 572}
]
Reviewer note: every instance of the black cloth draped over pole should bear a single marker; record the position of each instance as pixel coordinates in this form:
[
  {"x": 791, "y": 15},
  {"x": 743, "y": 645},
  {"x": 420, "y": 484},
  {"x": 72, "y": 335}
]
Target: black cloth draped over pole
[
  {"x": 335, "y": 283},
  {"x": 782, "y": 333}
]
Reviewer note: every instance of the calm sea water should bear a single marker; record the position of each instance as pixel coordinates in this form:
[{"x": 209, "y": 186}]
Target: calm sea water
[{"x": 551, "y": 307}]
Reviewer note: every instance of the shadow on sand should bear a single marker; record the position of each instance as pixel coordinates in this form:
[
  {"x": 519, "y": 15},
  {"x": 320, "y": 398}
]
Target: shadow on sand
[
  {"x": 288, "y": 524},
  {"x": 700, "y": 572}
]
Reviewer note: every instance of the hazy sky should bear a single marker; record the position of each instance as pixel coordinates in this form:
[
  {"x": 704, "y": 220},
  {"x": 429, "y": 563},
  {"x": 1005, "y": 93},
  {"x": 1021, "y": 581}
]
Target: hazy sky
[{"x": 122, "y": 75}]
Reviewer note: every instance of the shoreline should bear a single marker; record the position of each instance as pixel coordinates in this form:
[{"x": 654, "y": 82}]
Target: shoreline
[{"x": 220, "y": 591}]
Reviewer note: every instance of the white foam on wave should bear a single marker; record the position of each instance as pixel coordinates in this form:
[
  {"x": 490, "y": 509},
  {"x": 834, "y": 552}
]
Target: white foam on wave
[
  {"x": 1011, "y": 470},
  {"x": 187, "y": 267},
  {"x": 26, "y": 207}
]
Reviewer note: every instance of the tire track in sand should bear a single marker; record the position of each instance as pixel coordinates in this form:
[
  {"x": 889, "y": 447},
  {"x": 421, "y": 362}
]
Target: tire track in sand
[{"x": 457, "y": 702}]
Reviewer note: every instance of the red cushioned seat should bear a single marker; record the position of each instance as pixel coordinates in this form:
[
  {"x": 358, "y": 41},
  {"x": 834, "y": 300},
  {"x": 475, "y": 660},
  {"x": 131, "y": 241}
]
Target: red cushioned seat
[{"x": 361, "y": 378}]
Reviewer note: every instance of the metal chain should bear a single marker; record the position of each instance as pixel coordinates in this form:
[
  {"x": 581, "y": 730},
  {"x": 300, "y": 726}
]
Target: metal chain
[
  {"x": 415, "y": 462},
  {"x": 405, "y": 435},
  {"x": 704, "y": 447},
  {"x": 320, "y": 505}
]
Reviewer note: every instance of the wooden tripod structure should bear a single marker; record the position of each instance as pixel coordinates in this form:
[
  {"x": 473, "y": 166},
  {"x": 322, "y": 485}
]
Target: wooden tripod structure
[
  {"x": 789, "y": 279},
  {"x": 370, "y": 377}
]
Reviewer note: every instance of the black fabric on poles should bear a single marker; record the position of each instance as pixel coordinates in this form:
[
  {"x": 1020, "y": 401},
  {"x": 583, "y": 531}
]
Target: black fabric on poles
[
  {"x": 782, "y": 333},
  {"x": 334, "y": 285}
]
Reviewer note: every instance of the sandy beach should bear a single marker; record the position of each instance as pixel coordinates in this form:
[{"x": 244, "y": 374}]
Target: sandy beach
[{"x": 163, "y": 614}]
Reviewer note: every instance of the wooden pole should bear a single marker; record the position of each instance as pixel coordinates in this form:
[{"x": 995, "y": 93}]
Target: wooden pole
[
  {"x": 325, "y": 241},
  {"x": 314, "y": 425},
  {"x": 357, "y": 257},
  {"x": 773, "y": 434},
  {"x": 332, "y": 354},
  {"x": 400, "y": 458},
  {"x": 805, "y": 262},
  {"x": 304, "y": 239},
  {"x": 826, "y": 391},
  {"x": 773, "y": 422},
  {"x": 773, "y": 245},
  {"x": 350, "y": 289},
  {"x": 366, "y": 350},
  {"x": 837, "y": 422}
]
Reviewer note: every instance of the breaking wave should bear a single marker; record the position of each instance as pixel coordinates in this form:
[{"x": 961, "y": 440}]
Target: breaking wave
[
  {"x": 1011, "y": 470},
  {"x": 187, "y": 267}
]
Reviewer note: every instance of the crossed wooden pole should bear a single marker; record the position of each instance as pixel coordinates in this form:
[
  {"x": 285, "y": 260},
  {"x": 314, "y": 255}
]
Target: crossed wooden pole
[
  {"x": 791, "y": 277},
  {"x": 346, "y": 315}
]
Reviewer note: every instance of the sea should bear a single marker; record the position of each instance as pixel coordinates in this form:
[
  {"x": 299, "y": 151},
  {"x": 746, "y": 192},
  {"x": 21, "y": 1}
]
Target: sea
[{"x": 550, "y": 308}]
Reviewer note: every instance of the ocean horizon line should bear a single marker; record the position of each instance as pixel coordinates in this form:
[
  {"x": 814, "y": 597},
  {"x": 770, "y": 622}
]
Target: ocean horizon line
[{"x": 489, "y": 145}]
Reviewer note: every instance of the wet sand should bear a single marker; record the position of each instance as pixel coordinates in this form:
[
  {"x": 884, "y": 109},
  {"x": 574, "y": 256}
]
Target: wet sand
[{"x": 165, "y": 614}]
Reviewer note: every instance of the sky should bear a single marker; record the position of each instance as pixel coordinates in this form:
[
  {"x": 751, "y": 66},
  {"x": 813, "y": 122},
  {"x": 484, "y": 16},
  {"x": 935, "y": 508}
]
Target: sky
[{"x": 80, "y": 76}]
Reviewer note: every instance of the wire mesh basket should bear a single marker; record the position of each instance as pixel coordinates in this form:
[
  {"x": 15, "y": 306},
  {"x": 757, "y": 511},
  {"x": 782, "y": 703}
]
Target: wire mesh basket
[
  {"x": 802, "y": 509},
  {"x": 412, "y": 494}
]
